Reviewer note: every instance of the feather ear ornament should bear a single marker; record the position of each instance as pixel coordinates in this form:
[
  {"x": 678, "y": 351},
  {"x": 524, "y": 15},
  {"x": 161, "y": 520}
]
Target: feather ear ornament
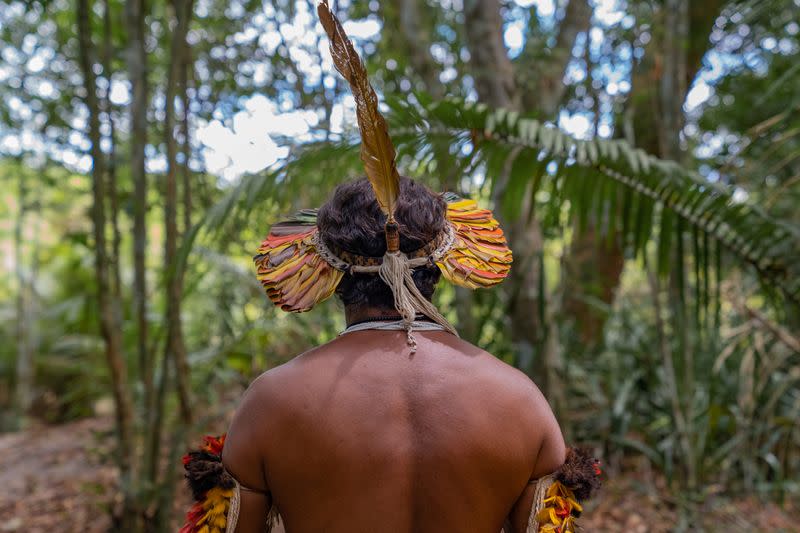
[{"x": 294, "y": 275}]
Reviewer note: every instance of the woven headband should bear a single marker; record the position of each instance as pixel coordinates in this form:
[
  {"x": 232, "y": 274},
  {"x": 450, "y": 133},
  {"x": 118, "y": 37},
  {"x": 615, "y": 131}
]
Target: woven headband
[
  {"x": 350, "y": 263},
  {"x": 297, "y": 268}
]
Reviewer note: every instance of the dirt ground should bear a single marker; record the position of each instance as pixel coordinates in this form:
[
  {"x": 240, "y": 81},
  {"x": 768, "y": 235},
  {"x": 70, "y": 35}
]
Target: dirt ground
[{"x": 53, "y": 479}]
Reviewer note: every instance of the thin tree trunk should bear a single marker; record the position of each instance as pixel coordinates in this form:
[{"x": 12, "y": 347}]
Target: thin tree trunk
[
  {"x": 419, "y": 47},
  {"x": 673, "y": 84},
  {"x": 186, "y": 146},
  {"x": 156, "y": 445},
  {"x": 545, "y": 91},
  {"x": 176, "y": 348},
  {"x": 670, "y": 376},
  {"x": 171, "y": 367},
  {"x": 661, "y": 80},
  {"x": 490, "y": 66},
  {"x": 156, "y": 425},
  {"x": 135, "y": 13},
  {"x": 111, "y": 334},
  {"x": 113, "y": 195},
  {"x": 24, "y": 364},
  {"x": 591, "y": 89},
  {"x": 543, "y": 78},
  {"x": 592, "y": 261}
]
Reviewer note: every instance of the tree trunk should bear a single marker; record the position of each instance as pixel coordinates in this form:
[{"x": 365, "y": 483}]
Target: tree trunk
[
  {"x": 137, "y": 71},
  {"x": 109, "y": 329},
  {"x": 542, "y": 79},
  {"x": 592, "y": 270},
  {"x": 592, "y": 267},
  {"x": 23, "y": 389},
  {"x": 489, "y": 63},
  {"x": 186, "y": 146},
  {"x": 497, "y": 85},
  {"x": 673, "y": 83},
  {"x": 418, "y": 45},
  {"x": 423, "y": 64},
  {"x": 661, "y": 80},
  {"x": 176, "y": 349},
  {"x": 111, "y": 170},
  {"x": 136, "y": 54}
]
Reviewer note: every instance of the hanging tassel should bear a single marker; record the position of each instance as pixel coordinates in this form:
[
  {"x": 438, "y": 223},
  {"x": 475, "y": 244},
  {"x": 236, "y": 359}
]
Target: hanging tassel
[{"x": 395, "y": 271}]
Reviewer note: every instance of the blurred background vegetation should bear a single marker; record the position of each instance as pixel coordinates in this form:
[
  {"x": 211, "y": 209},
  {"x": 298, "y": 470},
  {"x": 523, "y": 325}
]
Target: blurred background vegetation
[{"x": 643, "y": 155}]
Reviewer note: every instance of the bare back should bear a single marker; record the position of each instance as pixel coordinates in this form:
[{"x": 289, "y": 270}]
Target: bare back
[{"x": 361, "y": 435}]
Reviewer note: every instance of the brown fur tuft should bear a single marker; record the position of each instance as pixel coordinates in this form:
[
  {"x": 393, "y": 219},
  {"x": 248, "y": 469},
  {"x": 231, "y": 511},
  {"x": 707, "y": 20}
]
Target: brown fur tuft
[
  {"x": 580, "y": 472},
  {"x": 204, "y": 471}
]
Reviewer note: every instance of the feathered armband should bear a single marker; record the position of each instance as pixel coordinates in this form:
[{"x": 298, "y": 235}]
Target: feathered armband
[
  {"x": 215, "y": 491},
  {"x": 556, "y": 505}
]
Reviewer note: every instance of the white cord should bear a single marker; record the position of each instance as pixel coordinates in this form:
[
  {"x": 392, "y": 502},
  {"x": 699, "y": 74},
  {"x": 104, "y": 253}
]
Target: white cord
[{"x": 397, "y": 325}]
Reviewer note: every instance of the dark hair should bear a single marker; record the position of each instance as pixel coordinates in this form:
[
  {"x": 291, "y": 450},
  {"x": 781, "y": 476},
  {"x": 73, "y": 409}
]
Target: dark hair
[{"x": 352, "y": 221}]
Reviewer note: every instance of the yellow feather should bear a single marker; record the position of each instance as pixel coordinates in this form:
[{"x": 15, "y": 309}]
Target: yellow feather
[{"x": 377, "y": 151}]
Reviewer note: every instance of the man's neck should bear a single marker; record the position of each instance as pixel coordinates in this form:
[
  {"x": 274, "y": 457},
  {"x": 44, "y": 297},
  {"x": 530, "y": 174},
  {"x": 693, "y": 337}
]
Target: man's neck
[{"x": 353, "y": 314}]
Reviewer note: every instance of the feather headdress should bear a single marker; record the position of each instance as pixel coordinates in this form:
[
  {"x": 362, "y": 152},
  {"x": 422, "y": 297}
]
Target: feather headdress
[{"x": 298, "y": 270}]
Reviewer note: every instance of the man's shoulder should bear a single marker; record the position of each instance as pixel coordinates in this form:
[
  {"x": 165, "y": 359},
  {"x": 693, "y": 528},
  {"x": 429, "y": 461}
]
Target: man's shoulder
[
  {"x": 506, "y": 381},
  {"x": 521, "y": 398},
  {"x": 497, "y": 367},
  {"x": 272, "y": 381},
  {"x": 279, "y": 380}
]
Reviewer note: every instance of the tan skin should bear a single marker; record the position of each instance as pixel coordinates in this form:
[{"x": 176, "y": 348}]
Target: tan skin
[{"x": 360, "y": 435}]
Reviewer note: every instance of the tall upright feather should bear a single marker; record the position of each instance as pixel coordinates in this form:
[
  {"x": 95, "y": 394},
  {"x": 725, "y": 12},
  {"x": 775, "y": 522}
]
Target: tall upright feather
[{"x": 377, "y": 151}]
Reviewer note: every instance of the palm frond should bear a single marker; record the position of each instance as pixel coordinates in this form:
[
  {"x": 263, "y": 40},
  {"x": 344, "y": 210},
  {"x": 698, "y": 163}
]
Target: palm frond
[{"x": 589, "y": 174}]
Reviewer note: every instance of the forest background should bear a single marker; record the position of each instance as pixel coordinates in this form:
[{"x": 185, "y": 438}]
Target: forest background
[{"x": 644, "y": 156}]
